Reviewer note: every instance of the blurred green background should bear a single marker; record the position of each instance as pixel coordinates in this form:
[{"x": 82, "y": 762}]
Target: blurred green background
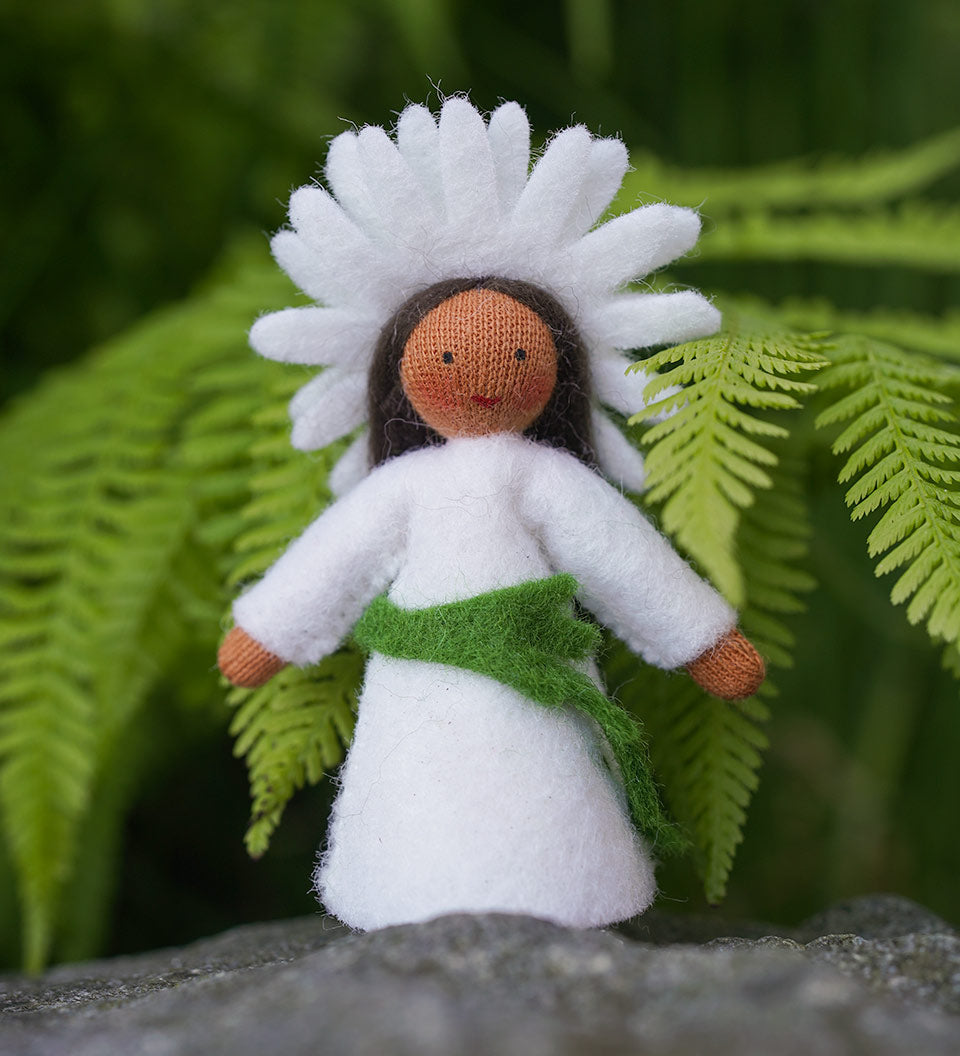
[{"x": 140, "y": 138}]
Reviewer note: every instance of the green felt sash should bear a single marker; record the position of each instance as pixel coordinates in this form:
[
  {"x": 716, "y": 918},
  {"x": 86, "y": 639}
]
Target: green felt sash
[{"x": 525, "y": 637}]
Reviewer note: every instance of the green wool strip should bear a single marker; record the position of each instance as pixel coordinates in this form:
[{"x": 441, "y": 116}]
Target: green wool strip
[{"x": 525, "y": 637}]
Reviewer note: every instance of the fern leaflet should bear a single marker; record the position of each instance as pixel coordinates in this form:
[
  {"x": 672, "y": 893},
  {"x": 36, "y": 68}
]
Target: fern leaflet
[
  {"x": 903, "y": 459},
  {"x": 773, "y": 541},
  {"x": 936, "y": 335},
  {"x": 292, "y": 731},
  {"x": 705, "y": 753},
  {"x": 703, "y": 464}
]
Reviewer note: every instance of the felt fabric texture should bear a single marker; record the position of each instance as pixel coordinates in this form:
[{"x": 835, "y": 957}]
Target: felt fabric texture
[
  {"x": 525, "y": 637},
  {"x": 459, "y": 792},
  {"x": 620, "y": 462},
  {"x": 333, "y": 404},
  {"x": 352, "y": 466},
  {"x": 460, "y": 795},
  {"x": 456, "y": 196},
  {"x": 476, "y": 514}
]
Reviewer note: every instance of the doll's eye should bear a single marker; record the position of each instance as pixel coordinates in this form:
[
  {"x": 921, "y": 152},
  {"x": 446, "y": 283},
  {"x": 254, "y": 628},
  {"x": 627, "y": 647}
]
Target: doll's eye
[
  {"x": 521, "y": 353},
  {"x": 447, "y": 357}
]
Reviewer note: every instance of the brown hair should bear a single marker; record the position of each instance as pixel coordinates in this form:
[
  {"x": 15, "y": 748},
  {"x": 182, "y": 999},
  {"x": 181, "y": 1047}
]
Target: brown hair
[{"x": 565, "y": 422}]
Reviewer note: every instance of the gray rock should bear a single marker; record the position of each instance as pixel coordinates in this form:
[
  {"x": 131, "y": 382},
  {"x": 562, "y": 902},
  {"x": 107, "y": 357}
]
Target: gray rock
[
  {"x": 873, "y": 917},
  {"x": 500, "y": 984},
  {"x": 922, "y": 969}
]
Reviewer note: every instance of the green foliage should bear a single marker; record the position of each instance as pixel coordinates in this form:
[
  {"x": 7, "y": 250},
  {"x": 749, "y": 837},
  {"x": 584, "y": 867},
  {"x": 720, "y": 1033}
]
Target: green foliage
[
  {"x": 832, "y": 182},
  {"x": 706, "y": 753},
  {"x": 292, "y": 732},
  {"x": 902, "y": 459},
  {"x": 773, "y": 540},
  {"x": 915, "y": 234},
  {"x": 704, "y": 463},
  {"x": 106, "y": 567}
]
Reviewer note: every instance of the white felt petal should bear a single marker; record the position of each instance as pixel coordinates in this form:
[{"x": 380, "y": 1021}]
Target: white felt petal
[
  {"x": 346, "y": 173},
  {"x": 301, "y": 264},
  {"x": 620, "y": 461},
  {"x": 614, "y": 387},
  {"x": 466, "y": 166},
  {"x": 417, "y": 140},
  {"x": 335, "y": 261},
  {"x": 639, "y": 320},
  {"x": 323, "y": 225},
  {"x": 328, "y": 407},
  {"x": 315, "y": 336},
  {"x": 394, "y": 193},
  {"x": 634, "y": 244},
  {"x": 551, "y": 193},
  {"x": 352, "y": 466},
  {"x": 509, "y": 135},
  {"x": 607, "y": 164}
]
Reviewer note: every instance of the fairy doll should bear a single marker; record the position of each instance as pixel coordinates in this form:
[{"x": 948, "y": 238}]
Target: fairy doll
[{"x": 474, "y": 320}]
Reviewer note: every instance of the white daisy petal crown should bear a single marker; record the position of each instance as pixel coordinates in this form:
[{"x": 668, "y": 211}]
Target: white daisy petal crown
[{"x": 454, "y": 197}]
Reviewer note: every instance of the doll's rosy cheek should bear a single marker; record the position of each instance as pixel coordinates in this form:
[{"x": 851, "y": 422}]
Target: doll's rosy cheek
[
  {"x": 536, "y": 391},
  {"x": 444, "y": 394},
  {"x": 437, "y": 392}
]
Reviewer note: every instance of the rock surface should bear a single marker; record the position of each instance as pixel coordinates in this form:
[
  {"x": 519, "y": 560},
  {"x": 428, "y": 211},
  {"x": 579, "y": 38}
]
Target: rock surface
[{"x": 874, "y": 976}]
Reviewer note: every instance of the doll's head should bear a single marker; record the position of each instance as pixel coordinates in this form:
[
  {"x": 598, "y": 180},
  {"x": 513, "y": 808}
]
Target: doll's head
[{"x": 468, "y": 357}]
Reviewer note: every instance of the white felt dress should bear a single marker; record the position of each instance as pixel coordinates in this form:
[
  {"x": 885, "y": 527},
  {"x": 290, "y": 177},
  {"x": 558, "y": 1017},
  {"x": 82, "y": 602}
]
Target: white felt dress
[{"x": 458, "y": 793}]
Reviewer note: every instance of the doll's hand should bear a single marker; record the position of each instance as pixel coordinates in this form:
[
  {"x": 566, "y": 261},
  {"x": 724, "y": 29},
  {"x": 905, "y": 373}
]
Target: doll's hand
[
  {"x": 731, "y": 669},
  {"x": 245, "y": 662}
]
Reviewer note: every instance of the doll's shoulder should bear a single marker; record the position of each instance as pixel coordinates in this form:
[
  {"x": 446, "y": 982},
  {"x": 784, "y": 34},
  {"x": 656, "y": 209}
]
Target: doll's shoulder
[{"x": 552, "y": 466}]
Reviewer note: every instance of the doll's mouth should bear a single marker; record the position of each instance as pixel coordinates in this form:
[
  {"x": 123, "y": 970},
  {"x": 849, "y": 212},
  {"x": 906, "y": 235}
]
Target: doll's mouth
[{"x": 486, "y": 401}]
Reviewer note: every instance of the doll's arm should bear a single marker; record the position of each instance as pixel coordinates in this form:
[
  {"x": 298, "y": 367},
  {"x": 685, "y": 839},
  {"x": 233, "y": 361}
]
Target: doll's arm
[
  {"x": 309, "y": 600},
  {"x": 633, "y": 579}
]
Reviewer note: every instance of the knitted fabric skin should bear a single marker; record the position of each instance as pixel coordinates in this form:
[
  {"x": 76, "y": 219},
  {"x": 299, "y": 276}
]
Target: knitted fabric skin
[
  {"x": 480, "y": 362},
  {"x": 732, "y": 669},
  {"x": 244, "y": 661}
]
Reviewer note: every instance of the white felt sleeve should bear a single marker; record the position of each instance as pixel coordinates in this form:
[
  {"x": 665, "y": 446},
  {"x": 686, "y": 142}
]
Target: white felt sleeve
[
  {"x": 630, "y": 577},
  {"x": 314, "y": 594}
]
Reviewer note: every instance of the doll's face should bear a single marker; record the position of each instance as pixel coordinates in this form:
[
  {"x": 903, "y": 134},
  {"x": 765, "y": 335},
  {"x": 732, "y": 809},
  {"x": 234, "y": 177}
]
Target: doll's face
[{"x": 480, "y": 362}]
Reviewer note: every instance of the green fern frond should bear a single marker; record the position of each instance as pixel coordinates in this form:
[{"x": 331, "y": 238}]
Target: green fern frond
[
  {"x": 704, "y": 464},
  {"x": 903, "y": 457},
  {"x": 877, "y": 177},
  {"x": 292, "y": 732},
  {"x": 103, "y": 560},
  {"x": 94, "y": 528},
  {"x": 706, "y": 754},
  {"x": 773, "y": 542},
  {"x": 936, "y": 335},
  {"x": 915, "y": 234}
]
